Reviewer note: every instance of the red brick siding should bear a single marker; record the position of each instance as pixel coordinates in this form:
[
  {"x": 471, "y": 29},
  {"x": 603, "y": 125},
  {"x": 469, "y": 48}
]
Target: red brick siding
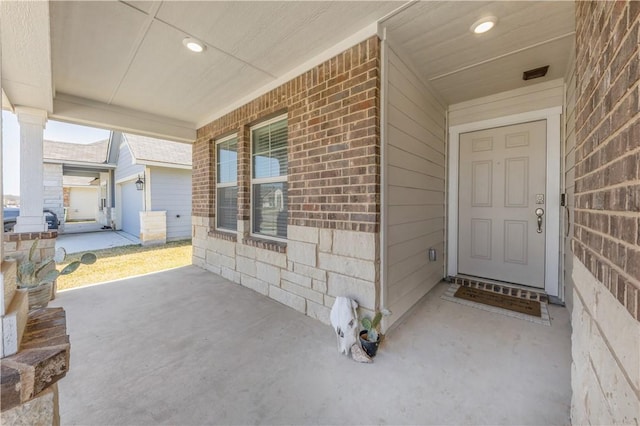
[
  {"x": 334, "y": 145},
  {"x": 607, "y": 231},
  {"x": 66, "y": 195},
  {"x": 202, "y": 178}
]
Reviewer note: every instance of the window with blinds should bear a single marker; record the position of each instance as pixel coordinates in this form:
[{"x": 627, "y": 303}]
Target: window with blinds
[
  {"x": 227, "y": 183},
  {"x": 269, "y": 149}
]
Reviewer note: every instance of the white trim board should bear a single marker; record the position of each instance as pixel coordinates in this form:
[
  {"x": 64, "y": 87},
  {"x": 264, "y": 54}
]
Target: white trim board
[
  {"x": 128, "y": 178},
  {"x": 552, "y": 218},
  {"x": 89, "y": 166},
  {"x": 162, "y": 164}
]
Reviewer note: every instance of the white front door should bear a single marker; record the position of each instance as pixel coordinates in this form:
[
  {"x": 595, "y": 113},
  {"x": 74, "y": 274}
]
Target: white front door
[{"x": 502, "y": 176}]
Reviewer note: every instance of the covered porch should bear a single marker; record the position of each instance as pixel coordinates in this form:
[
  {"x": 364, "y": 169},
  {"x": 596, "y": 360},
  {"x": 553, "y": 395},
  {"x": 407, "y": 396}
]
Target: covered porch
[
  {"x": 187, "y": 346},
  {"x": 207, "y": 350}
]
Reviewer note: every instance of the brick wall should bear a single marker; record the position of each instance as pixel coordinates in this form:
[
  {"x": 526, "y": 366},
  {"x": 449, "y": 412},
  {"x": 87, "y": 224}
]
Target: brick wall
[
  {"x": 605, "y": 370},
  {"x": 333, "y": 128},
  {"x": 607, "y": 187},
  {"x": 332, "y": 245},
  {"x": 66, "y": 193},
  {"x": 202, "y": 177}
]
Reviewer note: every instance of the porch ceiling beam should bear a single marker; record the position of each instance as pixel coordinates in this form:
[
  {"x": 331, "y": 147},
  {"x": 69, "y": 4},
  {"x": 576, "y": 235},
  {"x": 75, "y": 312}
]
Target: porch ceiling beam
[
  {"x": 71, "y": 171},
  {"x": 87, "y": 112},
  {"x": 96, "y": 167}
]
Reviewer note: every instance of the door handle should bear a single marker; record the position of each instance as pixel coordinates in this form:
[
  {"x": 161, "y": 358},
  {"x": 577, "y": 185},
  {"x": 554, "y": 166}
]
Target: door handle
[{"x": 539, "y": 214}]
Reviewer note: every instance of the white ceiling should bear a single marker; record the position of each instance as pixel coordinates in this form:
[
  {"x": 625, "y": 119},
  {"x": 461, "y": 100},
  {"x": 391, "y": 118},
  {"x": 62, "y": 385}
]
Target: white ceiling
[
  {"x": 461, "y": 65},
  {"x": 122, "y": 64},
  {"x": 131, "y": 54}
]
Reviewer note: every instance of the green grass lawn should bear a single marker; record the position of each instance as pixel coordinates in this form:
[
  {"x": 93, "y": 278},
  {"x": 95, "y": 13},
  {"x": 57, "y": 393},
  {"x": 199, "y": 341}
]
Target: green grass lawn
[{"x": 127, "y": 261}]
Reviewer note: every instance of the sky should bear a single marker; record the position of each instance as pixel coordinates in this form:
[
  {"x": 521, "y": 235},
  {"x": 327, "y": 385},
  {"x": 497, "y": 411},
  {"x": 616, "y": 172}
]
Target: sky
[{"x": 54, "y": 130}]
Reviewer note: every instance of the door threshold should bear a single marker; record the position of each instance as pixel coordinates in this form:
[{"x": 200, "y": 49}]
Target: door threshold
[{"x": 509, "y": 289}]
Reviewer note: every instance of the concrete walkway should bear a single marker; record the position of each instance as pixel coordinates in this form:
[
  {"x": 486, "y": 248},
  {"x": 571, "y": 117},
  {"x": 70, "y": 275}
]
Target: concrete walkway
[
  {"x": 188, "y": 347},
  {"x": 74, "y": 243}
]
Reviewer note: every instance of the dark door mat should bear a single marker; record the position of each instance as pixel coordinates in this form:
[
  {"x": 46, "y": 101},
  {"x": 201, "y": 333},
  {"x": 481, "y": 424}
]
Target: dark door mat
[
  {"x": 503, "y": 288},
  {"x": 497, "y": 307},
  {"x": 524, "y": 306}
]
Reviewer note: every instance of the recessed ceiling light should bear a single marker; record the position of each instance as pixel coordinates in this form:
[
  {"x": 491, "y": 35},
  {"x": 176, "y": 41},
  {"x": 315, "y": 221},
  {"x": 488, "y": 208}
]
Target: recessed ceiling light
[
  {"x": 193, "y": 45},
  {"x": 483, "y": 25}
]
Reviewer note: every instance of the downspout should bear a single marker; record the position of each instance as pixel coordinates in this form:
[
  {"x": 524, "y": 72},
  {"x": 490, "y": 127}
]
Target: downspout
[{"x": 445, "y": 263}]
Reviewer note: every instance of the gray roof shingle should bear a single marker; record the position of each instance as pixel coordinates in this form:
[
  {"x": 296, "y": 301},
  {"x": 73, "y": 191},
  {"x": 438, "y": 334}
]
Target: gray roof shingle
[
  {"x": 158, "y": 150},
  {"x": 95, "y": 152}
]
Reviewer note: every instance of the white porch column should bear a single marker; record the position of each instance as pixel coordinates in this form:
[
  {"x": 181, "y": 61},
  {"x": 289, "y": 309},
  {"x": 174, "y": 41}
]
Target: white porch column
[{"x": 32, "y": 122}]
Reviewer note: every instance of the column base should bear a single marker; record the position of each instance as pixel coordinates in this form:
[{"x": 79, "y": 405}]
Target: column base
[{"x": 31, "y": 224}]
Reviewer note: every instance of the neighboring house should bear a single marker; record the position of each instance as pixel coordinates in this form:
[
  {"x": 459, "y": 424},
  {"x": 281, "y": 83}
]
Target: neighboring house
[
  {"x": 97, "y": 182},
  {"x": 77, "y": 181},
  {"x": 81, "y": 199},
  {"x": 160, "y": 210}
]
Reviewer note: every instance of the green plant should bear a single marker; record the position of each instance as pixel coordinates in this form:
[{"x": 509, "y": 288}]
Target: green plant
[
  {"x": 32, "y": 274},
  {"x": 373, "y": 325}
]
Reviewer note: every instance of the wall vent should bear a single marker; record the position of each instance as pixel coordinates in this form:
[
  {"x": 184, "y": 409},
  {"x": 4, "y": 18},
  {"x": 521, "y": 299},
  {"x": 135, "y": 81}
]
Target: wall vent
[{"x": 535, "y": 73}]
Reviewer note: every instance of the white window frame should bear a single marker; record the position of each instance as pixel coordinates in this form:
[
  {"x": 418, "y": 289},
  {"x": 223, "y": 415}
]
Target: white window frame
[
  {"x": 226, "y": 184},
  {"x": 253, "y": 181}
]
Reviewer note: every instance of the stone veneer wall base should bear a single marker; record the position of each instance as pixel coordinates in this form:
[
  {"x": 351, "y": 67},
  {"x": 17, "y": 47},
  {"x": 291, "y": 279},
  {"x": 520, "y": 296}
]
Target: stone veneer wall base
[
  {"x": 605, "y": 371},
  {"x": 319, "y": 264}
]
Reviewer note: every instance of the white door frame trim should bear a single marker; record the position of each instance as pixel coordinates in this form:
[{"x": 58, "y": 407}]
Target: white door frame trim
[{"x": 552, "y": 205}]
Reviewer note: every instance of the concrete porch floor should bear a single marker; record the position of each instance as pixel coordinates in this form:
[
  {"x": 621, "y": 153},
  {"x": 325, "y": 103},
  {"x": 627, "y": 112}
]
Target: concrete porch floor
[{"x": 188, "y": 347}]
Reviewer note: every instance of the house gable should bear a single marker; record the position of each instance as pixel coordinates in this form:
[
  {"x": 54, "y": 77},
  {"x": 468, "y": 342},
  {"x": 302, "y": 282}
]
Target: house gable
[
  {"x": 157, "y": 152},
  {"x": 126, "y": 168}
]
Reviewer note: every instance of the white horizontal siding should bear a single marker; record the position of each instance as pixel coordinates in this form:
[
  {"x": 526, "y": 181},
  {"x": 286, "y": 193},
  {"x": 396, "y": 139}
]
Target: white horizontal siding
[
  {"x": 415, "y": 187},
  {"x": 125, "y": 167},
  {"x": 531, "y": 98},
  {"x": 171, "y": 191}
]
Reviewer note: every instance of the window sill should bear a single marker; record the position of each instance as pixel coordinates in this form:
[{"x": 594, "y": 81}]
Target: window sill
[
  {"x": 277, "y": 246},
  {"x": 224, "y": 235}
]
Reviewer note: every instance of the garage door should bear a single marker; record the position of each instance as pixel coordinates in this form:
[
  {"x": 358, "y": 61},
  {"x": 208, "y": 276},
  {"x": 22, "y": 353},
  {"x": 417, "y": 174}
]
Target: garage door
[
  {"x": 83, "y": 203},
  {"x": 131, "y": 207}
]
